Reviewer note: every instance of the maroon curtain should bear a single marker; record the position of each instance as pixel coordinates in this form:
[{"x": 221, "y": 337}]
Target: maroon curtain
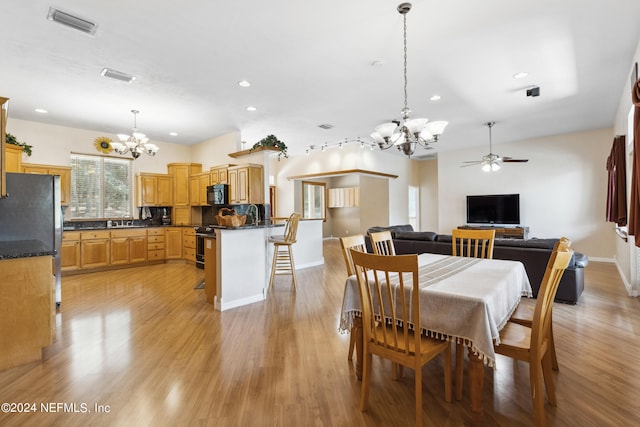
[
  {"x": 617, "y": 189},
  {"x": 634, "y": 214}
]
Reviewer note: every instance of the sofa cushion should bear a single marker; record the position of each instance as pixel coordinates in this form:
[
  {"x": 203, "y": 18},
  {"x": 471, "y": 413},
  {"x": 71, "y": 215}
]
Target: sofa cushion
[
  {"x": 392, "y": 228},
  {"x": 445, "y": 238},
  {"x": 416, "y": 235},
  {"x": 529, "y": 243}
]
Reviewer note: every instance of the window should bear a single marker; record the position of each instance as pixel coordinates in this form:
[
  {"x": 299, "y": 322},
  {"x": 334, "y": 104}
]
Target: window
[
  {"x": 313, "y": 199},
  {"x": 101, "y": 187},
  {"x": 414, "y": 203}
]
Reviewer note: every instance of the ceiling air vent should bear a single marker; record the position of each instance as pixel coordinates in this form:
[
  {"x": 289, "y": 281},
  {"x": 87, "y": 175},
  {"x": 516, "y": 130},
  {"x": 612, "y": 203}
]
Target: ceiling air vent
[
  {"x": 72, "y": 21},
  {"x": 118, "y": 75},
  {"x": 325, "y": 126}
]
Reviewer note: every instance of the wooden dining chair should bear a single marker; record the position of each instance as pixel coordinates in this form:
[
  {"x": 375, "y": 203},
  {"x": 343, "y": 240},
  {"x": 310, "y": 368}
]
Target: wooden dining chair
[
  {"x": 474, "y": 244},
  {"x": 394, "y": 339},
  {"x": 382, "y": 243},
  {"x": 532, "y": 344},
  {"x": 356, "y": 242},
  {"x": 524, "y": 316},
  {"x": 283, "y": 263}
]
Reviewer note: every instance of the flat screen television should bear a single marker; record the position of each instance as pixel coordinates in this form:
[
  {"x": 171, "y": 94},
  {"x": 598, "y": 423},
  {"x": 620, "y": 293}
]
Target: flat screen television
[{"x": 503, "y": 209}]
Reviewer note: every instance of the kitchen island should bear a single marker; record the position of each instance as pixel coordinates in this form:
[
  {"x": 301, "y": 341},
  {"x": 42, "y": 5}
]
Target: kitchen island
[
  {"x": 27, "y": 298},
  {"x": 243, "y": 260}
]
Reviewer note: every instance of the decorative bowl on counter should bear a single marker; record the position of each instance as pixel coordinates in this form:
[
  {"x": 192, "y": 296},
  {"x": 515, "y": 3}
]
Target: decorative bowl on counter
[{"x": 230, "y": 218}]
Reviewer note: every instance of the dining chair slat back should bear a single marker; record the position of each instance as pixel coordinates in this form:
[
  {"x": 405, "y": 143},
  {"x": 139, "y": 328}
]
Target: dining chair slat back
[
  {"x": 472, "y": 243},
  {"x": 382, "y": 243},
  {"x": 356, "y": 242}
]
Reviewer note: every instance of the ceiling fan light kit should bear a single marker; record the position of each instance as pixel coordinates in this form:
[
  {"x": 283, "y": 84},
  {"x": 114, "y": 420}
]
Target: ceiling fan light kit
[
  {"x": 492, "y": 162},
  {"x": 407, "y": 134}
]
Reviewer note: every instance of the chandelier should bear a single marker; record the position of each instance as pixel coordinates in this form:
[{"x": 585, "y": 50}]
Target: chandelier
[
  {"x": 406, "y": 134},
  {"x": 136, "y": 143}
]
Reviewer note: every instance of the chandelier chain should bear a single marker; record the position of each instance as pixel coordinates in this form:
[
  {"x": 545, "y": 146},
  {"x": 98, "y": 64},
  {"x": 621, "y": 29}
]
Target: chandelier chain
[{"x": 405, "y": 63}]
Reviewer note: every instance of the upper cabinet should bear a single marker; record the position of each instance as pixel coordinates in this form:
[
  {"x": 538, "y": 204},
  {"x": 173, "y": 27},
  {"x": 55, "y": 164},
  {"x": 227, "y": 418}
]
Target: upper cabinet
[
  {"x": 348, "y": 197},
  {"x": 198, "y": 189},
  {"x": 154, "y": 189},
  {"x": 219, "y": 174},
  {"x": 246, "y": 184},
  {"x": 13, "y": 158},
  {"x": 181, "y": 173},
  {"x": 64, "y": 172}
]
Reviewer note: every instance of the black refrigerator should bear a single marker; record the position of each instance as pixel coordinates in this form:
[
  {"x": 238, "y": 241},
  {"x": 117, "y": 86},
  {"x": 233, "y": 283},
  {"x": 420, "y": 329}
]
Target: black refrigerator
[{"x": 32, "y": 211}]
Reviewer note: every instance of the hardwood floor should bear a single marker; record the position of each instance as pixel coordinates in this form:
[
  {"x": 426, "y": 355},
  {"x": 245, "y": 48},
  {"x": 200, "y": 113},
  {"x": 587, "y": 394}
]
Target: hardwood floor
[{"x": 145, "y": 344}]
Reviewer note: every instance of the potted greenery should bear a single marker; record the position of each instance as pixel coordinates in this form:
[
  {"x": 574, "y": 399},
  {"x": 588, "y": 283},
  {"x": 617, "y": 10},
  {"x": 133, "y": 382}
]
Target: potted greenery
[
  {"x": 26, "y": 148},
  {"x": 272, "y": 142}
]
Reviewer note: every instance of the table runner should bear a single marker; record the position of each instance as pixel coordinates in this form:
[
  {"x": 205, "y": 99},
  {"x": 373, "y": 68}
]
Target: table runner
[{"x": 466, "y": 299}]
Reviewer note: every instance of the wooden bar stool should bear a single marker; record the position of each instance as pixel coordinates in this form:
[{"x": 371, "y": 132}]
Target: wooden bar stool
[{"x": 282, "y": 255}]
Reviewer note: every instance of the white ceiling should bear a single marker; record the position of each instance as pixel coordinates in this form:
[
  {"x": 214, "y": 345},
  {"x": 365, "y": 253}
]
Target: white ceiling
[{"x": 310, "y": 63}]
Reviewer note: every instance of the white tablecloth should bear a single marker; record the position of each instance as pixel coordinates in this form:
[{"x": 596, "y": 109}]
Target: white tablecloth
[{"x": 460, "y": 298}]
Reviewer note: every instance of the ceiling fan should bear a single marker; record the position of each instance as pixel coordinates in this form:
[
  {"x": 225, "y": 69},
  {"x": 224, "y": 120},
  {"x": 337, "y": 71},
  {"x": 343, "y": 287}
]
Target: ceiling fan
[{"x": 492, "y": 162}]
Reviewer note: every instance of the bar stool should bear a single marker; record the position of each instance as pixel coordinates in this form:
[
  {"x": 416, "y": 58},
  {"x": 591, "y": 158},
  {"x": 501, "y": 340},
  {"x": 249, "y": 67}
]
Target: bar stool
[{"x": 282, "y": 256}]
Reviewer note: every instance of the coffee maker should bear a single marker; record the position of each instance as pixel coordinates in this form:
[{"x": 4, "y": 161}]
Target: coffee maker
[{"x": 166, "y": 218}]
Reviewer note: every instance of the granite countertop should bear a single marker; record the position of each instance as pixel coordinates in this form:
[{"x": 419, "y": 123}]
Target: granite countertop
[
  {"x": 24, "y": 249},
  {"x": 267, "y": 224}
]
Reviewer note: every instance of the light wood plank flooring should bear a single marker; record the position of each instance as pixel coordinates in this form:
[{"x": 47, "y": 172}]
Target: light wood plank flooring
[{"x": 144, "y": 344}]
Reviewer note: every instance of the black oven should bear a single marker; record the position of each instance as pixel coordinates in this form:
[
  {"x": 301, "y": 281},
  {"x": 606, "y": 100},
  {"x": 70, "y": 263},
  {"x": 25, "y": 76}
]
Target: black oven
[
  {"x": 218, "y": 194},
  {"x": 201, "y": 232}
]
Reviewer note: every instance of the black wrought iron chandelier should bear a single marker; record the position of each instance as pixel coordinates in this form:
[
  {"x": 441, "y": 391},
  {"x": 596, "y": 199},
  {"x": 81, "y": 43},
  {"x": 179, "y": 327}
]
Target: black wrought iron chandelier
[{"x": 407, "y": 133}]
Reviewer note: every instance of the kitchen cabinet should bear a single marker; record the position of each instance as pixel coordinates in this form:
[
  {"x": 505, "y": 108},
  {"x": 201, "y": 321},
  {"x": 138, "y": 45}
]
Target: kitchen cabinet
[
  {"x": 70, "y": 251},
  {"x": 13, "y": 158},
  {"x": 94, "y": 249},
  {"x": 219, "y": 174},
  {"x": 128, "y": 246},
  {"x": 64, "y": 172},
  {"x": 348, "y": 197},
  {"x": 154, "y": 189},
  {"x": 246, "y": 184},
  {"x": 155, "y": 243},
  {"x": 198, "y": 189},
  {"x": 173, "y": 242},
  {"x": 189, "y": 244},
  {"x": 181, "y": 173}
]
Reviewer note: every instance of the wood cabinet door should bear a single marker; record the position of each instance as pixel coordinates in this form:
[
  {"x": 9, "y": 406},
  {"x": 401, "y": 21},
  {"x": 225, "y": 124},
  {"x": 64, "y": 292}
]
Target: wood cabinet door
[
  {"x": 181, "y": 185},
  {"x": 233, "y": 185},
  {"x": 70, "y": 255},
  {"x": 13, "y": 158},
  {"x": 94, "y": 253},
  {"x": 119, "y": 250},
  {"x": 137, "y": 249},
  {"x": 223, "y": 176},
  {"x": 194, "y": 191},
  {"x": 147, "y": 188},
  {"x": 165, "y": 191},
  {"x": 203, "y": 183},
  {"x": 242, "y": 180},
  {"x": 173, "y": 243}
]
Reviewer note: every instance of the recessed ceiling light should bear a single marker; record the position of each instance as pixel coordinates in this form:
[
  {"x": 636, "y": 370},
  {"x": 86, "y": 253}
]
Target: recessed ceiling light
[
  {"x": 435, "y": 98},
  {"x": 41, "y": 111},
  {"x": 251, "y": 108},
  {"x": 244, "y": 83},
  {"x": 173, "y": 133},
  {"x": 521, "y": 75}
]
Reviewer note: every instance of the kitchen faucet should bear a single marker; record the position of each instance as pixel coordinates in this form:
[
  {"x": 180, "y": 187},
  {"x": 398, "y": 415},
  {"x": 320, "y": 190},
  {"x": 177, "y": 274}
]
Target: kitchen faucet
[
  {"x": 129, "y": 219},
  {"x": 255, "y": 217}
]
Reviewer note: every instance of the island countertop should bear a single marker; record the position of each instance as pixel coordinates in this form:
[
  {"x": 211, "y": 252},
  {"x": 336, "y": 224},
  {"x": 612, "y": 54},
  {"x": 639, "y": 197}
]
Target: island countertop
[{"x": 23, "y": 249}]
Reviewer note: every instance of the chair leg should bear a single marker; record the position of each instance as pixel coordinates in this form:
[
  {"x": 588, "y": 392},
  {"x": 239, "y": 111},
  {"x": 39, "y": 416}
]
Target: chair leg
[
  {"x": 459, "y": 369},
  {"x": 352, "y": 344},
  {"x": 447, "y": 374},
  {"x": 552, "y": 348},
  {"x": 293, "y": 268},
  {"x": 548, "y": 378},
  {"x": 537, "y": 394},
  {"x": 273, "y": 266},
  {"x": 418, "y": 375},
  {"x": 366, "y": 380}
]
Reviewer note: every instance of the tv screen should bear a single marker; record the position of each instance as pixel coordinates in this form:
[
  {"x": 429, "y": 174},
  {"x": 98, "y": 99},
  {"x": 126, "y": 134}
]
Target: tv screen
[{"x": 493, "y": 209}]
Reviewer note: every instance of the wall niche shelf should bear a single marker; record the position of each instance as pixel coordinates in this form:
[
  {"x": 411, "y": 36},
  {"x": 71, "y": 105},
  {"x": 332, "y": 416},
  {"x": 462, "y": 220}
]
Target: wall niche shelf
[{"x": 251, "y": 151}]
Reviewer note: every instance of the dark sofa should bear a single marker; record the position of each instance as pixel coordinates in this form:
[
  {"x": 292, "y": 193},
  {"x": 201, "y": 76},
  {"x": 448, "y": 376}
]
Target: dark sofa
[{"x": 533, "y": 253}]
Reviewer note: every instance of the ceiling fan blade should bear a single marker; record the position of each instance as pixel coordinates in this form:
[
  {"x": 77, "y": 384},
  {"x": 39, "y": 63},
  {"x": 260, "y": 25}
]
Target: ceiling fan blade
[
  {"x": 470, "y": 164},
  {"x": 473, "y": 161},
  {"x": 511, "y": 160}
]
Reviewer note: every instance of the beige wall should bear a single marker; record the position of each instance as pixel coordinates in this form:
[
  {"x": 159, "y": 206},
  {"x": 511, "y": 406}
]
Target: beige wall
[
  {"x": 428, "y": 183},
  {"x": 562, "y": 188},
  {"x": 52, "y": 145}
]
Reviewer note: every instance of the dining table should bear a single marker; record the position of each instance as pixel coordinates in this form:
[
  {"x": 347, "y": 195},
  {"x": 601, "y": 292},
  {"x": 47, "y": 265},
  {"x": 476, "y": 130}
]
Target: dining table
[{"x": 464, "y": 300}]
